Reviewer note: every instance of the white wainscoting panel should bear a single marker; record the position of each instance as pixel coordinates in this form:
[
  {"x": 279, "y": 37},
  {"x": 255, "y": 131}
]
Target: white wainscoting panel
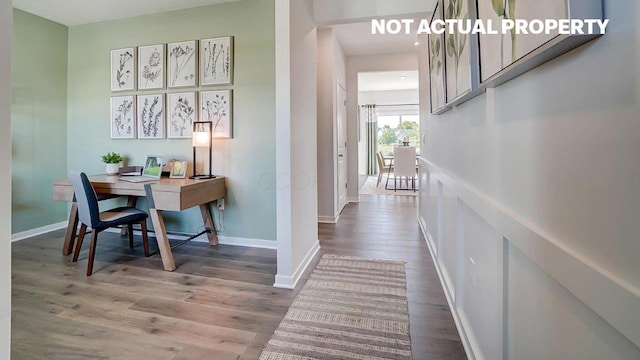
[{"x": 515, "y": 292}]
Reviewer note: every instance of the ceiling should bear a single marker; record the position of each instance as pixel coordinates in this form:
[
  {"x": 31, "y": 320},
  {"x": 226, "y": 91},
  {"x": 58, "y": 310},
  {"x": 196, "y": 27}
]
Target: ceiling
[
  {"x": 388, "y": 80},
  {"x": 357, "y": 39},
  {"x": 78, "y": 12}
]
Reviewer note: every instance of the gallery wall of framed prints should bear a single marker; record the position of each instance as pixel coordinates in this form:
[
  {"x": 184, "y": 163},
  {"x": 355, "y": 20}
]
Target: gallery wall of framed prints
[
  {"x": 463, "y": 65},
  {"x": 165, "y": 89}
]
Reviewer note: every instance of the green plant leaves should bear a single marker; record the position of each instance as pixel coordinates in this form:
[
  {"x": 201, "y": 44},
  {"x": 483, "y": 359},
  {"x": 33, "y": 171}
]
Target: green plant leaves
[{"x": 498, "y": 7}]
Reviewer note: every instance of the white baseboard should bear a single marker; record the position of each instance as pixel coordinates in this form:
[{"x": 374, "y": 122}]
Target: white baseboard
[
  {"x": 328, "y": 219},
  {"x": 224, "y": 240},
  {"x": 290, "y": 282},
  {"x": 468, "y": 349},
  {"x": 353, "y": 199},
  {"x": 38, "y": 231}
]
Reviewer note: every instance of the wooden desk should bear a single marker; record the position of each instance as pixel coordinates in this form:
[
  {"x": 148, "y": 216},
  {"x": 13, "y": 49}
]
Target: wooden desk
[{"x": 162, "y": 195}]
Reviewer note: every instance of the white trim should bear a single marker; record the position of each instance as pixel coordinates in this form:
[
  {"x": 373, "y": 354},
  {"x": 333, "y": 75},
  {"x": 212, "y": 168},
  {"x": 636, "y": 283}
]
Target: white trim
[
  {"x": 290, "y": 282},
  {"x": 328, "y": 219},
  {"x": 38, "y": 231},
  {"x": 223, "y": 240},
  {"x": 600, "y": 290},
  {"x": 446, "y": 285},
  {"x": 353, "y": 199}
]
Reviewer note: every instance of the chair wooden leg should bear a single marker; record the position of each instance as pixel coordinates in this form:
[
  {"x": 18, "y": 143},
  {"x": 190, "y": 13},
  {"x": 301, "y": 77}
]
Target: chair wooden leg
[
  {"x": 81, "y": 234},
  {"x": 145, "y": 239},
  {"x": 92, "y": 251},
  {"x": 379, "y": 178},
  {"x": 130, "y": 231}
]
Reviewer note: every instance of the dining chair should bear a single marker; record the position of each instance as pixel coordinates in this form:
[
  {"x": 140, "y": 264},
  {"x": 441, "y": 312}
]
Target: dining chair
[
  {"x": 90, "y": 217},
  {"x": 382, "y": 167},
  {"x": 404, "y": 165}
]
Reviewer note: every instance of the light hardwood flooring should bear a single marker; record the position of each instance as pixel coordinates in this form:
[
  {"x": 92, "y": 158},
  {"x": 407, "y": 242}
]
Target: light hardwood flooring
[{"x": 218, "y": 304}]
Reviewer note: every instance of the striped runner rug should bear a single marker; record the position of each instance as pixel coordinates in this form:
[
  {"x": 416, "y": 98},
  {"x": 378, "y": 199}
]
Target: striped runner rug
[{"x": 350, "y": 308}]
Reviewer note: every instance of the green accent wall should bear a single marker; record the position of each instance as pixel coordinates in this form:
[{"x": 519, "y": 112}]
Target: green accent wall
[
  {"x": 38, "y": 120},
  {"x": 248, "y": 160}
]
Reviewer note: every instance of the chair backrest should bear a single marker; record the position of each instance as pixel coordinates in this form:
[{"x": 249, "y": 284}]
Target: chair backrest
[
  {"x": 404, "y": 161},
  {"x": 86, "y": 198},
  {"x": 380, "y": 160}
]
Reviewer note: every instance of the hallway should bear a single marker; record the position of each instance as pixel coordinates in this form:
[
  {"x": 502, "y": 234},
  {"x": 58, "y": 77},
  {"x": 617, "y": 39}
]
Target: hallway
[{"x": 386, "y": 227}]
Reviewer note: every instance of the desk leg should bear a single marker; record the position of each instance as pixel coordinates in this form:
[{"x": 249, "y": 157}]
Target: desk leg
[
  {"x": 69, "y": 237},
  {"x": 163, "y": 241},
  {"x": 205, "y": 210}
]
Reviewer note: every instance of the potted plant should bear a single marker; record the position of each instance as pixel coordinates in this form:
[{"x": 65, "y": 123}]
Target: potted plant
[{"x": 113, "y": 161}]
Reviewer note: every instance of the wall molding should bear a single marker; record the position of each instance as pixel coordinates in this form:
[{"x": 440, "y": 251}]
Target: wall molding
[
  {"x": 290, "y": 282},
  {"x": 328, "y": 219},
  {"x": 600, "y": 290},
  {"x": 38, "y": 231},
  {"x": 224, "y": 240},
  {"x": 353, "y": 199}
]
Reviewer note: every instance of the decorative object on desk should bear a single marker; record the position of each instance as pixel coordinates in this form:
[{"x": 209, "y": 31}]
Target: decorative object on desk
[
  {"x": 203, "y": 138},
  {"x": 151, "y": 116},
  {"x": 216, "y": 107},
  {"x": 151, "y": 67},
  {"x": 436, "y": 65},
  {"x": 113, "y": 162},
  {"x": 123, "y": 69},
  {"x": 502, "y": 58},
  {"x": 122, "y": 117},
  {"x": 216, "y": 61},
  {"x": 178, "y": 169},
  {"x": 181, "y": 64},
  {"x": 181, "y": 114},
  {"x": 351, "y": 308}
]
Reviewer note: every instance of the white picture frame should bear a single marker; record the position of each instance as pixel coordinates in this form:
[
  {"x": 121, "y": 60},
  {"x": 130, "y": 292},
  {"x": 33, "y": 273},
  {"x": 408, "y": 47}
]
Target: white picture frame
[
  {"x": 216, "y": 61},
  {"x": 182, "y": 58},
  {"x": 150, "y": 115},
  {"x": 122, "y": 117},
  {"x": 217, "y": 106},
  {"x": 178, "y": 169},
  {"x": 151, "y": 60},
  {"x": 123, "y": 69},
  {"x": 182, "y": 110}
]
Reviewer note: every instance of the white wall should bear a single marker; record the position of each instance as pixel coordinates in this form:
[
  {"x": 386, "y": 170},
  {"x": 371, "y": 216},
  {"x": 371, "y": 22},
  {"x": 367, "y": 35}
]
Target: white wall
[
  {"x": 331, "y": 71},
  {"x": 529, "y": 194},
  {"x": 355, "y": 65},
  {"x": 5, "y": 178},
  {"x": 390, "y": 97},
  {"x": 340, "y": 11},
  {"x": 296, "y": 150}
]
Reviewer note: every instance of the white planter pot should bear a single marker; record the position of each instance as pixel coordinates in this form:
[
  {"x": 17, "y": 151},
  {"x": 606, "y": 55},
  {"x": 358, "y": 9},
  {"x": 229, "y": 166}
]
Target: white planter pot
[{"x": 112, "y": 169}]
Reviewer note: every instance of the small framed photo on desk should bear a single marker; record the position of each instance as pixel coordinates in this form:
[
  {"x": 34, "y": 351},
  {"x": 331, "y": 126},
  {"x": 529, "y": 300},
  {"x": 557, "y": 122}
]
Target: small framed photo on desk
[{"x": 178, "y": 169}]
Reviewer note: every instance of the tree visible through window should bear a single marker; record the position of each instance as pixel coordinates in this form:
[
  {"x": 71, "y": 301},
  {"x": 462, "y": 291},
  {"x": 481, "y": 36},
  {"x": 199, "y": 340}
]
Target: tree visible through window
[{"x": 395, "y": 129}]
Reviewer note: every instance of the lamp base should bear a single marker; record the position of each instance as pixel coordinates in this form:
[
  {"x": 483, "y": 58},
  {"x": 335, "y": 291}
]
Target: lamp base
[{"x": 202, "y": 177}]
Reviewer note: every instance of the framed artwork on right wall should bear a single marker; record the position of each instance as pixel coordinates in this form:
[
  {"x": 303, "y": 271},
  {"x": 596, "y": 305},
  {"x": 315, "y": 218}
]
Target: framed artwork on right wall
[{"x": 216, "y": 61}]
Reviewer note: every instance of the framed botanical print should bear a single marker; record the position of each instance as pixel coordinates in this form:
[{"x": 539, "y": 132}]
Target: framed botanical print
[
  {"x": 216, "y": 61},
  {"x": 122, "y": 117},
  {"x": 181, "y": 114},
  {"x": 123, "y": 69},
  {"x": 461, "y": 54},
  {"x": 151, "y": 67},
  {"x": 181, "y": 64},
  {"x": 217, "y": 107},
  {"x": 150, "y": 112},
  {"x": 437, "y": 66}
]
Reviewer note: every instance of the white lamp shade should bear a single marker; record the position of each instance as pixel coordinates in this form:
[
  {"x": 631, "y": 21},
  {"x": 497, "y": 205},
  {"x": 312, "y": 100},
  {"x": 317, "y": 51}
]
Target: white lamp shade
[{"x": 201, "y": 138}]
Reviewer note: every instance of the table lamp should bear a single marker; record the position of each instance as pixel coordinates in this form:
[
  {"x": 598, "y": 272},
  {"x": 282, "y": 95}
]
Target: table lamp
[{"x": 202, "y": 137}]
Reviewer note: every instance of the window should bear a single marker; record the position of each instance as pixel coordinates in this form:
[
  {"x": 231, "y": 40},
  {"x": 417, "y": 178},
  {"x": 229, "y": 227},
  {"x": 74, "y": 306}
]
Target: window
[{"x": 394, "y": 129}]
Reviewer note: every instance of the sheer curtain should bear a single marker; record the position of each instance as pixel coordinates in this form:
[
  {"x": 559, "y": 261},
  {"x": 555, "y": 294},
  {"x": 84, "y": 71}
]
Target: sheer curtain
[{"x": 371, "y": 119}]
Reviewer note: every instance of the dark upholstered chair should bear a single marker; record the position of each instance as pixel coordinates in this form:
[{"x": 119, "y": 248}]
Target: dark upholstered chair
[{"x": 90, "y": 217}]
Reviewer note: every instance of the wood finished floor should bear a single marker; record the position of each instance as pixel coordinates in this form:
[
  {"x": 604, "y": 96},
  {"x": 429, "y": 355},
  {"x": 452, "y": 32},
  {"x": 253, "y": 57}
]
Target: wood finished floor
[{"x": 218, "y": 304}]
